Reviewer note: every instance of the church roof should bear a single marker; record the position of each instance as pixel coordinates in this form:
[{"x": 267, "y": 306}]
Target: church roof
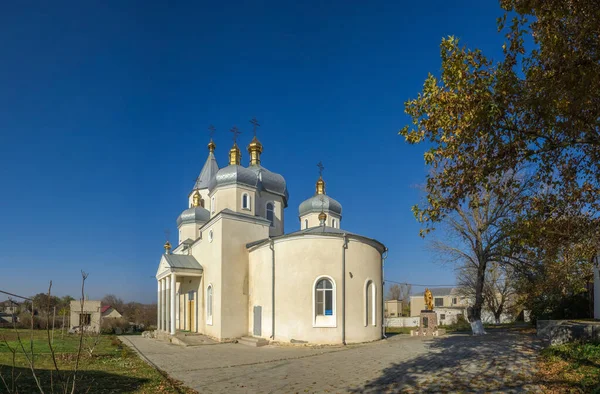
[
  {"x": 271, "y": 182},
  {"x": 324, "y": 231},
  {"x": 233, "y": 174},
  {"x": 182, "y": 261},
  {"x": 193, "y": 215},
  {"x": 208, "y": 172},
  {"x": 314, "y": 204}
]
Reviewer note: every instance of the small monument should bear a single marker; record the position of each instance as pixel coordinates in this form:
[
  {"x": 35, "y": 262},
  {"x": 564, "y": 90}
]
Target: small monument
[{"x": 428, "y": 325}]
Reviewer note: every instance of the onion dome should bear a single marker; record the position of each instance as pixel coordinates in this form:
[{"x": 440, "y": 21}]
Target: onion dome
[
  {"x": 193, "y": 215},
  {"x": 167, "y": 247},
  {"x": 320, "y": 202},
  {"x": 235, "y": 155},
  {"x": 322, "y": 218},
  {"x": 270, "y": 182},
  {"x": 255, "y": 149},
  {"x": 233, "y": 174}
]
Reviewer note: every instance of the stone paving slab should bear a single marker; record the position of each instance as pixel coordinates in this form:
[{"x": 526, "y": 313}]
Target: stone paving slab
[{"x": 498, "y": 362}]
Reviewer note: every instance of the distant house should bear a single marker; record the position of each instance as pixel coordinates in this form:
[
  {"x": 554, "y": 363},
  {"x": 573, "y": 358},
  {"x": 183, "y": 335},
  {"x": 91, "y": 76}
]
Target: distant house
[
  {"x": 108, "y": 312},
  {"x": 10, "y": 307},
  {"x": 393, "y": 308},
  {"x": 447, "y": 304},
  {"x": 88, "y": 317}
]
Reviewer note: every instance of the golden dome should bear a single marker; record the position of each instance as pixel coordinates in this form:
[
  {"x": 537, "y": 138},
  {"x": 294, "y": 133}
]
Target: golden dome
[
  {"x": 255, "y": 149},
  {"x": 196, "y": 199},
  {"x": 211, "y": 146},
  {"x": 167, "y": 247},
  {"x": 235, "y": 155},
  {"x": 322, "y": 216},
  {"x": 320, "y": 186}
]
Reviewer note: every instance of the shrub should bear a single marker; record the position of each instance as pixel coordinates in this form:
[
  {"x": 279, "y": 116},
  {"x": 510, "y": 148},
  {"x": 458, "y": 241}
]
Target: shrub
[{"x": 112, "y": 326}]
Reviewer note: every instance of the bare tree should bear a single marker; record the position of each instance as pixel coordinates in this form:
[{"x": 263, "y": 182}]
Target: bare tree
[
  {"x": 476, "y": 237},
  {"x": 394, "y": 292},
  {"x": 498, "y": 288}
]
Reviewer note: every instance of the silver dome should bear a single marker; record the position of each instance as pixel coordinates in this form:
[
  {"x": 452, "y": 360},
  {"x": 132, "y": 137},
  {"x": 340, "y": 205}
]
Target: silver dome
[
  {"x": 193, "y": 215},
  {"x": 233, "y": 174},
  {"x": 270, "y": 181},
  {"x": 314, "y": 204}
]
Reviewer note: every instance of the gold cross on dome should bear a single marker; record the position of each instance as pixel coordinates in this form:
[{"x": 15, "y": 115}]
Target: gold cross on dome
[
  {"x": 235, "y": 132},
  {"x": 321, "y": 168},
  {"x": 256, "y": 125}
]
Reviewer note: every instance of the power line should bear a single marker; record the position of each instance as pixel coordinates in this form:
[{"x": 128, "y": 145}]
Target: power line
[
  {"x": 14, "y": 295},
  {"x": 414, "y": 284}
]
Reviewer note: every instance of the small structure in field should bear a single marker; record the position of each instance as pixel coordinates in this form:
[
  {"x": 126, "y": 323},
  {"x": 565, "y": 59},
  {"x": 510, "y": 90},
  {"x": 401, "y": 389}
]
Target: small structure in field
[
  {"x": 87, "y": 318},
  {"x": 108, "y": 312}
]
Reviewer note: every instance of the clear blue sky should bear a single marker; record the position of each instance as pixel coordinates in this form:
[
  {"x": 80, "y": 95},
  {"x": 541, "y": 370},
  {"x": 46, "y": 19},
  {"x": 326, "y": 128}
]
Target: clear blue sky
[{"x": 104, "y": 111}]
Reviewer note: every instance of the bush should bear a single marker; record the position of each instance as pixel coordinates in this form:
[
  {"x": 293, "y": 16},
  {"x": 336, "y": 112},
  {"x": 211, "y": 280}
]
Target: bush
[{"x": 114, "y": 326}]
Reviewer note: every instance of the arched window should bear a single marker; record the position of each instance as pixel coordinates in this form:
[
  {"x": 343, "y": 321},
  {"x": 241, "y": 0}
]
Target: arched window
[
  {"x": 305, "y": 223},
  {"x": 333, "y": 223},
  {"x": 370, "y": 304},
  {"x": 246, "y": 201},
  {"x": 271, "y": 213},
  {"x": 212, "y": 205},
  {"x": 209, "y": 305},
  {"x": 324, "y": 303}
]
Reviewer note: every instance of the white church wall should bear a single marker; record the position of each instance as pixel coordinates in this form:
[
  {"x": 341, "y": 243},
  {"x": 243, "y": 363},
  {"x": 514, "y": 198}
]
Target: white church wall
[
  {"x": 261, "y": 210},
  {"x": 300, "y": 261},
  {"x": 313, "y": 220},
  {"x": 189, "y": 230},
  {"x": 209, "y": 255},
  {"x": 363, "y": 263},
  {"x": 259, "y": 291},
  {"x": 235, "y": 279}
]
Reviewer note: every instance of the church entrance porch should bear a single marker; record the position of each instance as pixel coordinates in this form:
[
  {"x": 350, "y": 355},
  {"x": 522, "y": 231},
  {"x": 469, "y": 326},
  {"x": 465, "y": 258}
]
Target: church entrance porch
[{"x": 178, "y": 301}]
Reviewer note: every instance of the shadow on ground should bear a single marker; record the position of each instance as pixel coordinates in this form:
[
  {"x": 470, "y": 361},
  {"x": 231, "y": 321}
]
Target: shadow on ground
[
  {"x": 87, "y": 381},
  {"x": 500, "y": 361}
]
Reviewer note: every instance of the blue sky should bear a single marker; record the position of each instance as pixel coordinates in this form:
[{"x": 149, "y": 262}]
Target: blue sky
[{"x": 104, "y": 109}]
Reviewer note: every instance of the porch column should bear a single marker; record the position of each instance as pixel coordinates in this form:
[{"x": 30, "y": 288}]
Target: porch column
[
  {"x": 173, "y": 282},
  {"x": 158, "y": 305},
  {"x": 163, "y": 305}
]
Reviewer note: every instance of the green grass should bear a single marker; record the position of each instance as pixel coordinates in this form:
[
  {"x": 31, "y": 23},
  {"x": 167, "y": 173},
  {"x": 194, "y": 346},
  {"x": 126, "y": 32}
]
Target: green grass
[
  {"x": 399, "y": 330},
  {"x": 571, "y": 367},
  {"x": 112, "y": 367}
]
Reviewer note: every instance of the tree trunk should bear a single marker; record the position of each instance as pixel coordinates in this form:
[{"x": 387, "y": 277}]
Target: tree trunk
[{"x": 475, "y": 319}]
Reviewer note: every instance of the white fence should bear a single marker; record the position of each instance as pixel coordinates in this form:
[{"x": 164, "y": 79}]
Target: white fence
[{"x": 402, "y": 321}]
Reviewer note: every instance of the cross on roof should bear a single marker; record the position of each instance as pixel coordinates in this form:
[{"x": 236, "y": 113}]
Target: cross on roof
[
  {"x": 321, "y": 168},
  {"x": 235, "y": 132},
  {"x": 211, "y": 131},
  {"x": 256, "y": 124}
]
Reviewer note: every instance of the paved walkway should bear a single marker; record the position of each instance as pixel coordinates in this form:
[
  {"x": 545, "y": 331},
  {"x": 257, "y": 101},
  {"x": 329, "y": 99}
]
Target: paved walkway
[{"x": 498, "y": 362}]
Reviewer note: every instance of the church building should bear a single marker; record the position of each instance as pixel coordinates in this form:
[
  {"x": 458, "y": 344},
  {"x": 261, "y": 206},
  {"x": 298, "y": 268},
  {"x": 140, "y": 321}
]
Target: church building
[{"x": 236, "y": 273}]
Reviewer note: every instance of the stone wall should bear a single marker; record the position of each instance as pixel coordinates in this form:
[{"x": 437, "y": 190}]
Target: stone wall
[{"x": 558, "y": 332}]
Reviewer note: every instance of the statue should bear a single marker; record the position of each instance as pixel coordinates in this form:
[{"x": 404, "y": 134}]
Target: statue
[{"x": 428, "y": 300}]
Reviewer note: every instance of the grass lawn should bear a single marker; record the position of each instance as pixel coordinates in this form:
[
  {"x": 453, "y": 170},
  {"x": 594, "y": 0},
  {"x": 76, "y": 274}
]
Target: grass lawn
[
  {"x": 398, "y": 330},
  {"x": 111, "y": 368},
  {"x": 573, "y": 367}
]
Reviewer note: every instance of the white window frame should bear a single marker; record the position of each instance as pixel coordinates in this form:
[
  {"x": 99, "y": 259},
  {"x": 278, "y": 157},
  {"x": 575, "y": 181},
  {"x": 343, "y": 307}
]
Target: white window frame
[
  {"x": 373, "y": 316},
  {"x": 324, "y": 321},
  {"x": 333, "y": 222},
  {"x": 305, "y": 224},
  {"x": 212, "y": 204},
  {"x": 267, "y": 212},
  {"x": 211, "y": 235},
  {"x": 210, "y": 295},
  {"x": 248, "y": 201}
]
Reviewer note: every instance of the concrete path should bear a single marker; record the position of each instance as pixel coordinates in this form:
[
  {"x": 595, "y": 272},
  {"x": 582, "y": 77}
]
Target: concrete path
[{"x": 498, "y": 362}]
